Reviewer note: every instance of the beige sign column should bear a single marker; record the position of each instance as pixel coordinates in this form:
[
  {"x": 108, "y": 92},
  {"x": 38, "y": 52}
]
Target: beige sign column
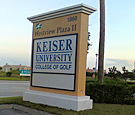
[{"x": 59, "y": 51}]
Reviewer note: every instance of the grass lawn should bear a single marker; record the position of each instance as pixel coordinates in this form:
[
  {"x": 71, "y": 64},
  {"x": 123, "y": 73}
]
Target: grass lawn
[
  {"x": 15, "y": 78},
  {"x": 98, "y": 109}
]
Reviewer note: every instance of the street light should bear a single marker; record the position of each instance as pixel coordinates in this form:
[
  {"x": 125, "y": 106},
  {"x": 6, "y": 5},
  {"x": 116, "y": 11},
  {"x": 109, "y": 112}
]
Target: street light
[{"x": 96, "y": 65}]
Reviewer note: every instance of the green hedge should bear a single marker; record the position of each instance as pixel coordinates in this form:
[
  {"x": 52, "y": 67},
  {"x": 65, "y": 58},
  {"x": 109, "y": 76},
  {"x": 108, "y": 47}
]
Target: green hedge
[
  {"x": 89, "y": 74},
  {"x": 131, "y": 82},
  {"x": 114, "y": 94},
  {"x": 8, "y": 74}
]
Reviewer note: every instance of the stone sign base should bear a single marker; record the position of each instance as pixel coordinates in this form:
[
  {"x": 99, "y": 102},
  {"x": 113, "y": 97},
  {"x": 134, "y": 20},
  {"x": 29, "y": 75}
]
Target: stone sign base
[{"x": 76, "y": 103}]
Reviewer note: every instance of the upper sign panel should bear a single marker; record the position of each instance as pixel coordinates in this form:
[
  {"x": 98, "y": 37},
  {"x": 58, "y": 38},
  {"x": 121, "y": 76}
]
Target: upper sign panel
[{"x": 58, "y": 26}]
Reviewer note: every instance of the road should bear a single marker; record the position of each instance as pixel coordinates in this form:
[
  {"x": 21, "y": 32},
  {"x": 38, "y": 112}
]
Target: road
[
  {"x": 16, "y": 88},
  {"x": 13, "y": 88}
]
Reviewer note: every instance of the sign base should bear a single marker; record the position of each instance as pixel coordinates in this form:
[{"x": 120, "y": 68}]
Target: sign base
[{"x": 76, "y": 103}]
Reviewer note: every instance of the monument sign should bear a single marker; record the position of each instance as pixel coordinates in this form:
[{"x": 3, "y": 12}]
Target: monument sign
[{"x": 59, "y": 49}]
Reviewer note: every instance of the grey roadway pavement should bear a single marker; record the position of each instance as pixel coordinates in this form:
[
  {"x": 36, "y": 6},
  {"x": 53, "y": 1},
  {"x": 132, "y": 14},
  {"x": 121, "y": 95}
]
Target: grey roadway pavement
[
  {"x": 13, "y": 88},
  {"x": 16, "y": 88}
]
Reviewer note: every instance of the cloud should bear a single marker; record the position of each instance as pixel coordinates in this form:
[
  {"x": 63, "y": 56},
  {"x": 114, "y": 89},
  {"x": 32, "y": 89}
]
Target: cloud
[
  {"x": 119, "y": 63},
  {"x": 13, "y": 61}
]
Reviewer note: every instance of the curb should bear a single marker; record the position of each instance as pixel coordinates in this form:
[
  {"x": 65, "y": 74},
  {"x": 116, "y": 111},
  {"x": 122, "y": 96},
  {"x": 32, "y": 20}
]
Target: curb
[
  {"x": 6, "y": 106},
  {"x": 24, "y": 109}
]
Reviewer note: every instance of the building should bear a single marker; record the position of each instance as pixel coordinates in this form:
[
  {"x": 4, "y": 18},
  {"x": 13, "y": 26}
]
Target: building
[
  {"x": 91, "y": 70},
  {"x": 7, "y": 67}
]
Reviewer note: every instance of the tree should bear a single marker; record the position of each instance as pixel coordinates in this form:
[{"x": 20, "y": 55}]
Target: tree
[
  {"x": 101, "y": 42},
  {"x": 133, "y": 70},
  {"x": 114, "y": 73},
  {"x": 125, "y": 73},
  {"x": 130, "y": 75},
  {"x": 88, "y": 43}
]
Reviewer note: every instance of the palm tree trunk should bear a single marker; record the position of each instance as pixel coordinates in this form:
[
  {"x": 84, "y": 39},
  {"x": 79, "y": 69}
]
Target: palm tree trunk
[{"x": 101, "y": 42}]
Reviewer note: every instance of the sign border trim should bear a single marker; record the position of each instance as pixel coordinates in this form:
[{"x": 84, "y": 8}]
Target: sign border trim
[{"x": 55, "y": 73}]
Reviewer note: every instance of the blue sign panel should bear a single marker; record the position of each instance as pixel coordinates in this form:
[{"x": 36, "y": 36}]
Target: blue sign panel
[{"x": 24, "y": 72}]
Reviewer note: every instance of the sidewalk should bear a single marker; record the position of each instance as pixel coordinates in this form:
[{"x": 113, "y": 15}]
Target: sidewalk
[{"x": 14, "y": 109}]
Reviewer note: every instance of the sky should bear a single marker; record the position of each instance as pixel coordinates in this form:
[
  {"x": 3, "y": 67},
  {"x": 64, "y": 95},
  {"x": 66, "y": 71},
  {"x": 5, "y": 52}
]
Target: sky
[{"x": 16, "y": 30}]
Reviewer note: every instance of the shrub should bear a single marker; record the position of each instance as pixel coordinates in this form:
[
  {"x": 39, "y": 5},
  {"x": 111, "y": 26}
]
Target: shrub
[
  {"x": 8, "y": 74},
  {"x": 131, "y": 82},
  {"x": 117, "y": 81},
  {"x": 17, "y": 72},
  {"x": 89, "y": 74},
  {"x": 131, "y": 102},
  {"x": 113, "y": 93}
]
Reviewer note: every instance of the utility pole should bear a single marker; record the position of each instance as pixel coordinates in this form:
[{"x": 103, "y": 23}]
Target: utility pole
[
  {"x": 96, "y": 65},
  {"x": 134, "y": 65},
  {"x": 134, "y": 68}
]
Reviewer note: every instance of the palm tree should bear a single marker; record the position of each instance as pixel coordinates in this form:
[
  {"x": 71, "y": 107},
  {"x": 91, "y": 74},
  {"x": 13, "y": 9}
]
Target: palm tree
[{"x": 101, "y": 42}]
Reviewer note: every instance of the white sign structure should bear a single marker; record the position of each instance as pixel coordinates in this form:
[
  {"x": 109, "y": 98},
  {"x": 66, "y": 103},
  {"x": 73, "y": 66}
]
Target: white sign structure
[
  {"x": 59, "y": 51},
  {"x": 54, "y": 61}
]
